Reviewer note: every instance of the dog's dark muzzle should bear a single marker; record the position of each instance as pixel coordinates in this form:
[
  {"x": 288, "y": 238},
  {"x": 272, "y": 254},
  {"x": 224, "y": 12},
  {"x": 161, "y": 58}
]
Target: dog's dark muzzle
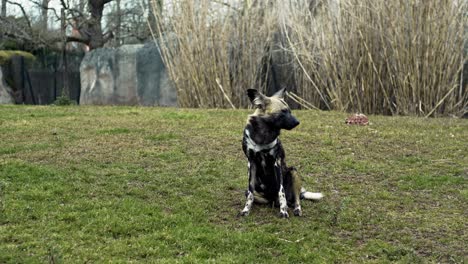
[{"x": 291, "y": 123}]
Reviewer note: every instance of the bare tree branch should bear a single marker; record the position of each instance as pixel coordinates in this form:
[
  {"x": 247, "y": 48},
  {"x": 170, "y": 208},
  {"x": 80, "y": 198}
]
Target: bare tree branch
[
  {"x": 89, "y": 29},
  {"x": 77, "y": 39},
  {"x": 44, "y": 7},
  {"x": 22, "y": 11},
  {"x": 64, "y": 5},
  {"x": 86, "y": 27},
  {"x": 10, "y": 29},
  {"x": 107, "y": 36}
]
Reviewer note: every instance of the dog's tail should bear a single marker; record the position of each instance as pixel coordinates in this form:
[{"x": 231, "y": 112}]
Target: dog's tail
[{"x": 310, "y": 195}]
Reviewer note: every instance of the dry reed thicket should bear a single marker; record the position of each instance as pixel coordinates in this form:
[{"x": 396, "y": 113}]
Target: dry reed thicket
[
  {"x": 370, "y": 56},
  {"x": 213, "y": 51}
]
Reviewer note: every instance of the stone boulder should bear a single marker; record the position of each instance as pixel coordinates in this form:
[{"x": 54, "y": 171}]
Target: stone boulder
[
  {"x": 128, "y": 75},
  {"x": 5, "y": 91}
]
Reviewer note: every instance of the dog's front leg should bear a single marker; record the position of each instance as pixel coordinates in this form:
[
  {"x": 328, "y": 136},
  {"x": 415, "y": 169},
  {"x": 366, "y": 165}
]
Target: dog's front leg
[
  {"x": 281, "y": 194},
  {"x": 250, "y": 191},
  {"x": 283, "y": 203}
]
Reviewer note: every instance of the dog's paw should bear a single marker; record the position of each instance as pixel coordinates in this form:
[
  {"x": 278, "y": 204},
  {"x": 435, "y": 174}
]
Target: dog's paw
[
  {"x": 298, "y": 212},
  {"x": 243, "y": 213},
  {"x": 284, "y": 215}
]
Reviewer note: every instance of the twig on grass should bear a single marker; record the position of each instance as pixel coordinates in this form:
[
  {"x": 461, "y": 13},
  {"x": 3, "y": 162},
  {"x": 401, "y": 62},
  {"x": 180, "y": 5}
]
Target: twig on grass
[{"x": 289, "y": 241}]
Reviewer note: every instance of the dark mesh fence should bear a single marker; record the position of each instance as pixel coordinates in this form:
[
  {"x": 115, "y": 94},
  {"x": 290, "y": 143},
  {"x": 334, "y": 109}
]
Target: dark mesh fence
[{"x": 38, "y": 84}]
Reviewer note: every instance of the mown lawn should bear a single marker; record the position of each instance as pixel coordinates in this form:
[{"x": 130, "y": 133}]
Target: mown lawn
[{"x": 127, "y": 184}]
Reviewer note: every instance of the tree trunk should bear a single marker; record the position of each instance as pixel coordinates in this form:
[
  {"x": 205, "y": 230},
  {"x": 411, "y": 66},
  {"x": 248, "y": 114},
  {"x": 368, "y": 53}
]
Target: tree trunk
[
  {"x": 151, "y": 15},
  {"x": 119, "y": 24},
  {"x": 4, "y": 8},
  {"x": 96, "y": 36},
  {"x": 44, "y": 14},
  {"x": 81, "y": 6},
  {"x": 65, "y": 89},
  {"x": 90, "y": 32}
]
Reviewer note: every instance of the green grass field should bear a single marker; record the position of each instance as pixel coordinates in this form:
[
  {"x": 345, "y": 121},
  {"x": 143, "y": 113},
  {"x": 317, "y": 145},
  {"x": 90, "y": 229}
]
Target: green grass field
[{"x": 127, "y": 184}]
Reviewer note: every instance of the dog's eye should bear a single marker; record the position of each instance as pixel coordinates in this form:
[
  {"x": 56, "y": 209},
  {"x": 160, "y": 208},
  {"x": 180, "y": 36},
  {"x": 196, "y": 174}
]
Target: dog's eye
[{"x": 286, "y": 111}]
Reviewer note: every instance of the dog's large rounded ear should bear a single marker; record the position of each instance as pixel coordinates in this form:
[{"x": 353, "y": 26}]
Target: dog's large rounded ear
[
  {"x": 252, "y": 93},
  {"x": 280, "y": 94},
  {"x": 256, "y": 98}
]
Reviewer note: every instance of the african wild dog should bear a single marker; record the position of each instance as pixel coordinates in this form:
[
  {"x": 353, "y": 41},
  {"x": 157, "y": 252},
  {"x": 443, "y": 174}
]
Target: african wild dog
[{"x": 270, "y": 180}]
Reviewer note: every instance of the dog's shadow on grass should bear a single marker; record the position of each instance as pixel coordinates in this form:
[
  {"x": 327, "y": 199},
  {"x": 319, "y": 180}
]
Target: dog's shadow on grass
[{"x": 328, "y": 210}]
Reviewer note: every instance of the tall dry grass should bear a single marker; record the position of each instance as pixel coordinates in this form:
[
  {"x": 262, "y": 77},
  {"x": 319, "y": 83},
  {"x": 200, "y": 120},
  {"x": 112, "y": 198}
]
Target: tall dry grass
[
  {"x": 214, "y": 51},
  {"x": 371, "y": 56},
  {"x": 382, "y": 57}
]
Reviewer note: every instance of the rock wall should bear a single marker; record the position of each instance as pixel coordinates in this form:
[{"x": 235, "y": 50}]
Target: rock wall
[
  {"x": 128, "y": 75},
  {"x": 5, "y": 91}
]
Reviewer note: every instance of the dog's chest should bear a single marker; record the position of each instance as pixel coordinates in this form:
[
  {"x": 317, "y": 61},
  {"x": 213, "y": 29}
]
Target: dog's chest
[
  {"x": 263, "y": 160},
  {"x": 264, "y": 172},
  {"x": 263, "y": 166},
  {"x": 262, "y": 155}
]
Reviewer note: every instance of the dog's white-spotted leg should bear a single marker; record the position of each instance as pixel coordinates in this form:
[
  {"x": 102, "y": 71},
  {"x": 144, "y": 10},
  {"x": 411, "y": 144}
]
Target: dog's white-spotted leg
[
  {"x": 248, "y": 204},
  {"x": 281, "y": 194},
  {"x": 250, "y": 195},
  {"x": 283, "y": 203}
]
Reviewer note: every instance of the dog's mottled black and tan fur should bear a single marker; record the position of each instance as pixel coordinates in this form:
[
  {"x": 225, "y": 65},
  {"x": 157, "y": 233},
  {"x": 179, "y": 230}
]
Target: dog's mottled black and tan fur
[{"x": 270, "y": 179}]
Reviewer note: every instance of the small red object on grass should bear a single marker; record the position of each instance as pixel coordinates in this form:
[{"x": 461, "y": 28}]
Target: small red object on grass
[{"x": 357, "y": 119}]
